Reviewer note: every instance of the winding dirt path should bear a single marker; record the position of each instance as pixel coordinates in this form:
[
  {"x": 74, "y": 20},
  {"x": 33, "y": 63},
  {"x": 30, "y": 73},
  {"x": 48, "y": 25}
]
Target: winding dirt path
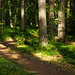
[{"x": 30, "y": 64}]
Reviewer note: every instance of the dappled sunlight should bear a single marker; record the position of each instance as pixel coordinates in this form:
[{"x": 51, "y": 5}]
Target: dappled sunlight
[
  {"x": 48, "y": 58},
  {"x": 14, "y": 56},
  {"x": 21, "y": 46},
  {"x": 3, "y": 48},
  {"x": 18, "y": 54},
  {"x": 7, "y": 52},
  {"x": 11, "y": 41}
]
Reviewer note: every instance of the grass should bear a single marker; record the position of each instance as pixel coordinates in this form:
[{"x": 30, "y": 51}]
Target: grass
[
  {"x": 28, "y": 42},
  {"x": 9, "y": 68}
]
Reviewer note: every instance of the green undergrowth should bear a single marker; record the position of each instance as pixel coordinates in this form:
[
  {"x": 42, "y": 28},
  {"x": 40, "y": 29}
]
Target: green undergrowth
[
  {"x": 28, "y": 42},
  {"x": 70, "y": 38},
  {"x": 9, "y": 68},
  {"x": 53, "y": 52}
]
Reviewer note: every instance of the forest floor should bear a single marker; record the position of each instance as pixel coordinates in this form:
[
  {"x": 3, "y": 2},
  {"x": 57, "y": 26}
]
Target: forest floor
[{"x": 31, "y": 63}]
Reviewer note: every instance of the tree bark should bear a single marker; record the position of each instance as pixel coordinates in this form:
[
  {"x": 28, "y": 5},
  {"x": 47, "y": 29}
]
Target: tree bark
[
  {"x": 42, "y": 22},
  {"x": 68, "y": 9},
  {"x": 22, "y": 14},
  {"x": 10, "y": 14},
  {"x": 68, "y": 15},
  {"x": 15, "y": 13},
  {"x": 51, "y": 18},
  {"x": 3, "y": 13},
  {"x": 61, "y": 21},
  {"x": 0, "y": 10}
]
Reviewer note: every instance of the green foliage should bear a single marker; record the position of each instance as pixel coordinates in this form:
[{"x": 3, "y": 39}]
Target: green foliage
[
  {"x": 29, "y": 42},
  {"x": 49, "y": 50},
  {"x": 24, "y": 49},
  {"x": 32, "y": 32},
  {"x": 5, "y": 34},
  {"x": 70, "y": 38},
  {"x": 9, "y": 68},
  {"x": 20, "y": 40},
  {"x": 67, "y": 51},
  {"x": 1, "y": 24}
]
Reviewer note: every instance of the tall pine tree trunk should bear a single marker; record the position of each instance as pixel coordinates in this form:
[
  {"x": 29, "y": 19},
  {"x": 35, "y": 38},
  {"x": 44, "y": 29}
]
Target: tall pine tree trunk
[
  {"x": 3, "y": 13},
  {"x": 42, "y": 22},
  {"x": 68, "y": 8},
  {"x": 61, "y": 21},
  {"x": 22, "y": 14},
  {"x": 15, "y": 20},
  {"x": 68, "y": 15},
  {"x": 51, "y": 18},
  {"x": 0, "y": 11},
  {"x": 10, "y": 14}
]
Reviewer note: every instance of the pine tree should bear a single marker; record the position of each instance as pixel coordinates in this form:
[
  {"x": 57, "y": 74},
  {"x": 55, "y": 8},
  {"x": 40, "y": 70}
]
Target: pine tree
[
  {"x": 61, "y": 21},
  {"x": 42, "y": 22}
]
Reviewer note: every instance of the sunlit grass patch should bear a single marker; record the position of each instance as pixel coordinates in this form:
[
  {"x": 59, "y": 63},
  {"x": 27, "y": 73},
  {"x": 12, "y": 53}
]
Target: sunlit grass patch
[
  {"x": 56, "y": 52},
  {"x": 24, "y": 49},
  {"x": 48, "y": 53},
  {"x": 47, "y": 57}
]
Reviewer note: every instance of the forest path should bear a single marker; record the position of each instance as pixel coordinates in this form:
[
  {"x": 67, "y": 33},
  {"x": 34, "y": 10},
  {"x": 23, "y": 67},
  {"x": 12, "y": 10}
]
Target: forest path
[{"x": 30, "y": 63}]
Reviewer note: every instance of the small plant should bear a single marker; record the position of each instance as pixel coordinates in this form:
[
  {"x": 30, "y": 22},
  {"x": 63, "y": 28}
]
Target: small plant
[{"x": 20, "y": 40}]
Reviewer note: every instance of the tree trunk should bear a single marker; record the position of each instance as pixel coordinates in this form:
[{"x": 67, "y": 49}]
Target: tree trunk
[
  {"x": 0, "y": 11},
  {"x": 3, "y": 13},
  {"x": 15, "y": 20},
  {"x": 22, "y": 14},
  {"x": 42, "y": 22},
  {"x": 68, "y": 15},
  {"x": 61, "y": 21},
  {"x": 10, "y": 14},
  {"x": 15, "y": 14},
  {"x": 51, "y": 18},
  {"x": 68, "y": 9}
]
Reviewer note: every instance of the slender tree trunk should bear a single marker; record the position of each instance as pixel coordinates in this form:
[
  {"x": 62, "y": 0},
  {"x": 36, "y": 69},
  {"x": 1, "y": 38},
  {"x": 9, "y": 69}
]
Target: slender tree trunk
[
  {"x": 22, "y": 14},
  {"x": 3, "y": 13},
  {"x": 51, "y": 18},
  {"x": 15, "y": 13},
  {"x": 68, "y": 15},
  {"x": 0, "y": 4},
  {"x": 42, "y": 22},
  {"x": 61, "y": 21},
  {"x": 0, "y": 11},
  {"x": 10, "y": 14},
  {"x": 68, "y": 9},
  {"x": 37, "y": 14}
]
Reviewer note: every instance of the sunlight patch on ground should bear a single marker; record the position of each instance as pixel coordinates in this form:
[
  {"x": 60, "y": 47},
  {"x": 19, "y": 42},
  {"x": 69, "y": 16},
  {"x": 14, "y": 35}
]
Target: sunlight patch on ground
[
  {"x": 2, "y": 46},
  {"x": 48, "y": 58},
  {"x": 10, "y": 41},
  {"x": 7, "y": 51},
  {"x": 15, "y": 56},
  {"x": 21, "y": 46},
  {"x": 73, "y": 43}
]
